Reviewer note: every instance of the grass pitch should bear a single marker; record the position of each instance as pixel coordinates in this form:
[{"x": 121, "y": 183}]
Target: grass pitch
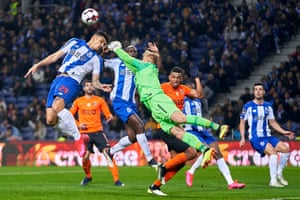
[{"x": 53, "y": 183}]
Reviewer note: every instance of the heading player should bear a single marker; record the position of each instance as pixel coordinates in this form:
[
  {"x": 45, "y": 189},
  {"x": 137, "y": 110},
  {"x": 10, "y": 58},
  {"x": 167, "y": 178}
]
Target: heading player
[{"x": 80, "y": 58}]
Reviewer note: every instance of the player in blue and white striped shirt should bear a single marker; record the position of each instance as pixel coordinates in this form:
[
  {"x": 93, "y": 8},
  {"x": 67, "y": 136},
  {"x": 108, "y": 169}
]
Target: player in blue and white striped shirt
[
  {"x": 194, "y": 107},
  {"x": 80, "y": 58},
  {"x": 124, "y": 105},
  {"x": 260, "y": 115}
]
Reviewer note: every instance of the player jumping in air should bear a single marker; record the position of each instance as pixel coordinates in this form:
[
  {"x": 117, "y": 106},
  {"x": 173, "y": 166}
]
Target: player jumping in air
[
  {"x": 80, "y": 58},
  {"x": 124, "y": 105},
  {"x": 163, "y": 110}
]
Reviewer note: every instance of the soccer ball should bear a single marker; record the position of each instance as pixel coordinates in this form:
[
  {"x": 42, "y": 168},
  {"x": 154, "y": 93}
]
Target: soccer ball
[{"x": 89, "y": 16}]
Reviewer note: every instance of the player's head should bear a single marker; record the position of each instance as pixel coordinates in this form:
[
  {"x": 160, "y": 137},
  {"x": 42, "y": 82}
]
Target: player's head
[
  {"x": 258, "y": 91},
  {"x": 98, "y": 42},
  {"x": 88, "y": 87},
  {"x": 151, "y": 57},
  {"x": 175, "y": 76},
  {"x": 132, "y": 51}
]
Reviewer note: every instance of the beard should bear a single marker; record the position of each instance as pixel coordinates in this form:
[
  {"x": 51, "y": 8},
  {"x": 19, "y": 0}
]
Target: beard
[{"x": 259, "y": 98}]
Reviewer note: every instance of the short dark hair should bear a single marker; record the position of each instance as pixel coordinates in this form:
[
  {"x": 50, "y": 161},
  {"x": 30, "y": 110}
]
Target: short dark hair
[
  {"x": 258, "y": 84},
  {"x": 176, "y": 70},
  {"x": 102, "y": 33}
]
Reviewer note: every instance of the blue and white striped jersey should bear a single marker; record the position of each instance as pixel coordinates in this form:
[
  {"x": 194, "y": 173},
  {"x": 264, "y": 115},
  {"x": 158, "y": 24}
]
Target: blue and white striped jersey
[
  {"x": 192, "y": 107},
  {"x": 80, "y": 60},
  {"x": 124, "y": 87},
  {"x": 258, "y": 117}
]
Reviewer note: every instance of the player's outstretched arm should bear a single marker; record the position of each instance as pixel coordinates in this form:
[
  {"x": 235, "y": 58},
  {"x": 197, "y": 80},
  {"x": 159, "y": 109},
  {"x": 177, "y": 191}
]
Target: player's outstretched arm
[
  {"x": 46, "y": 61},
  {"x": 129, "y": 61}
]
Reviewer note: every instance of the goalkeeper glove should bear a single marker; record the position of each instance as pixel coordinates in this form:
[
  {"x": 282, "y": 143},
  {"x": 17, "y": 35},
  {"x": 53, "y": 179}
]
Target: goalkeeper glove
[{"x": 114, "y": 45}]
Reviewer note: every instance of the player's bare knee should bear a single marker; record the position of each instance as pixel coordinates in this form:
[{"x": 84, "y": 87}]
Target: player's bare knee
[
  {"x": 218, "y": 155},
  {"x": 178, "y": 117},
  {"x": 51, "y": 121},
  {"x": 177, "y": 132},
  {"x": 132, "y": 138},
  {"x": 191, "y": 153}
]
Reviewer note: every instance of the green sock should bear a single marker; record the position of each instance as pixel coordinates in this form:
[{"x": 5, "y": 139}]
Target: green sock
[
  {"x": 200, "y": 121},
  {"x": 193, "y": 141}
]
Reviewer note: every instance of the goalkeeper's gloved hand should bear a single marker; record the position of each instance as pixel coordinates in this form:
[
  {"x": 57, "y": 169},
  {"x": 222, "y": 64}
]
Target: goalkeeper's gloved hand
[
  {"x": 112, "y": 46},
  {"x": 194, "y": 71}
]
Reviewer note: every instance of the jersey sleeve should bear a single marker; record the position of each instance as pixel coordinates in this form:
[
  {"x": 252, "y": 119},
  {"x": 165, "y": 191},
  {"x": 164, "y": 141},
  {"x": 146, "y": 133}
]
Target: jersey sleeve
[
  {"x": 105, "y": 109},
  {"x": 130, "y": 62},
  {"x": 244, "y": 114},
  {"x": 110, "y": 63},
  {"x": 187, "y": 90},
  {"x": 67, "y": 46},
  {"x": 270, "y": 112},
  {"x": 98, "y": 65}
]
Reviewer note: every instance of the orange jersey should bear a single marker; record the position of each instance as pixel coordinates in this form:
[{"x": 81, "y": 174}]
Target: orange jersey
[
  {"x": 89, "y": 112},
  {"x": 176, "y": 94}
]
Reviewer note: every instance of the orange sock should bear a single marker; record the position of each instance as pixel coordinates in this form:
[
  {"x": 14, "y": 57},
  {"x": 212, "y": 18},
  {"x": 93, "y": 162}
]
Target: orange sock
[
  {"x": 178, "y": 160},
  {"x": 114, "y": 171},
  {"x": 86, "y": 166},
  {"x": 170, "y": 173},
  {"x": 157, "y": 183}
]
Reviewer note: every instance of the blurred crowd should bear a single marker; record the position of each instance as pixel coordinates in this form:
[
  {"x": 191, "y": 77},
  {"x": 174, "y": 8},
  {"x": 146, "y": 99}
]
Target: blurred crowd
[{"x": 224, "y": 41}]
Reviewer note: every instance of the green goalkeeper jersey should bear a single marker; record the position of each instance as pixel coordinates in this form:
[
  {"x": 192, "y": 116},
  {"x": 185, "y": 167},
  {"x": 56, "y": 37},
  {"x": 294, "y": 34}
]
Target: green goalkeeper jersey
[{"x": 146, "y": 75}]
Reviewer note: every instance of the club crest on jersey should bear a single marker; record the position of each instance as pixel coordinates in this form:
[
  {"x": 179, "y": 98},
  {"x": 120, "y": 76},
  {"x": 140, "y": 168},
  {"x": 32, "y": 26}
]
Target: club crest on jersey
[
  {"x": 128, "y": 110},
  {"x": 89, "y": 54},
  {"x": 262, "y": 143}
]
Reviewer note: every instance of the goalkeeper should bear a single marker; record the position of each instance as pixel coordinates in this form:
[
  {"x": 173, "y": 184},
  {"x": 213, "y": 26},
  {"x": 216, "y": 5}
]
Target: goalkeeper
[{"x": 163, "y": 110}]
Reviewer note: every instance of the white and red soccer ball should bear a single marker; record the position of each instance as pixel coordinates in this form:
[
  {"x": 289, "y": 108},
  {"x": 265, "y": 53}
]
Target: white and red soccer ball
[{"x": 89, "y": 16}]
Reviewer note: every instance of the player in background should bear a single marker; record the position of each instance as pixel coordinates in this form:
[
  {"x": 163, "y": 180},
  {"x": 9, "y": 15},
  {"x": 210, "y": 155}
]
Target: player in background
[
  {"x": 194, "y": 107},
  {"x": 177, "y": 91},
  {"x": 88, "y": 110},
  {"x": 259, "y": 115},
  {"x": 163, "y": 110},
  {"x": 79, "y": 59},
  {"x": 124, "y": 105}
]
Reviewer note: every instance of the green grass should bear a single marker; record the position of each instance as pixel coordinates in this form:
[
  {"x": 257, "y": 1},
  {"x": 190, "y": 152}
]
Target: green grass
[{"x": 55, "y": 183}]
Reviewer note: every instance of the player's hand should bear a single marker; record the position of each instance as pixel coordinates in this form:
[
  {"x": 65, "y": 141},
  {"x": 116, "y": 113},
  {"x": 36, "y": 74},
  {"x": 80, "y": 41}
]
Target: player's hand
[
  {"x": 152, "y": 47},
  {"x": 109, "y": 119},
  {"x": 32, "y": 70},
  {"x": 82, "y": 127},
  {"x": 194, "y": 71},
  {"x": 289, "y": 134},
  {"x": 242, "y": 142},
  {"x": 114, "y": 45}
]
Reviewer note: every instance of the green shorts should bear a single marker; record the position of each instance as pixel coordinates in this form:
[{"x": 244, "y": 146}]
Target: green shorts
[{"x": 162, "y": 107}]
